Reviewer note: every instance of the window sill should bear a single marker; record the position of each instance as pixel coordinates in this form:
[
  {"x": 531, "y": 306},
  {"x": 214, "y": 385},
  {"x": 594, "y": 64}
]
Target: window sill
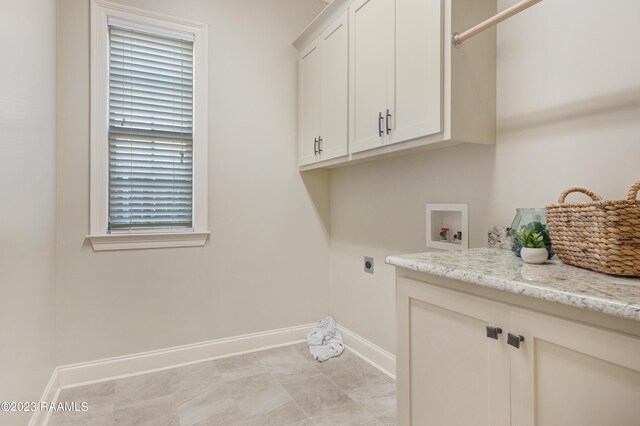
[{"x": 110, "y": 242}]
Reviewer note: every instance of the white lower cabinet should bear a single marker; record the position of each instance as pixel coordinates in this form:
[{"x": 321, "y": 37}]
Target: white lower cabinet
[
  {"x": 450, "y": 371},
  {"x": 570, "y": 373}
]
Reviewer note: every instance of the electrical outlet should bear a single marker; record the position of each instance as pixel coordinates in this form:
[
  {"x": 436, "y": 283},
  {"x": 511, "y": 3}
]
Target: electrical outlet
[{"x": 368, "y": 265}]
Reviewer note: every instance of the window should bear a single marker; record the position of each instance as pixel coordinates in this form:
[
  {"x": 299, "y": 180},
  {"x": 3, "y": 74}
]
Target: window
[
  {"x": 150, "y": 131},
  {"x": 148, "y": 145}
]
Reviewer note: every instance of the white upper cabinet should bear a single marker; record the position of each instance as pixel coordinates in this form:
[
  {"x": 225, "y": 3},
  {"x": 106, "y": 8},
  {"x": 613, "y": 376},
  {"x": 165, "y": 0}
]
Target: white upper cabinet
[
  {"x": 310, "y": 88},
  {"x": 323, "y": 96},
  {"x": 408, "y": 87},
  {"x": 372, "y": 77},
  {"x": 334, "y": 98},
  {"x": 418, "y": 69}
]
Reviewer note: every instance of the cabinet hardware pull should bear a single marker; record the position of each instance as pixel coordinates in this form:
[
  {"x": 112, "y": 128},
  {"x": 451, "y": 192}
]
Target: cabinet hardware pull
[
  {"x": 492, "y": 332},
  {"x": 320, "y": 144},
  {"x": 388, "y": 120},
  {"x": 380, "y": 132},
  {"x": 315, "y": 145},
  {"x": 514, "y": 340}
]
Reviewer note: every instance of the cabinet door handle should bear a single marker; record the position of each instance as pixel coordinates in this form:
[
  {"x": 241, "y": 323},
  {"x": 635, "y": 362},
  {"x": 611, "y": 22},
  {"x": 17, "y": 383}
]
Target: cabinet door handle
[
  {"x": 514, "y": 340},
  {"x": 380, "y": 132},
  {"x": 315, "y": 145},
  {"x": 492, "y": 332},
  {"x": 320, "y": 144},
  {"x": 388, "y": 122}
]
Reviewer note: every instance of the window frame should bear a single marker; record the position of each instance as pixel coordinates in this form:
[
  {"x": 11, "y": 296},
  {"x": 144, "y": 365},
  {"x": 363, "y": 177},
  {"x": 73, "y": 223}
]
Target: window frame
[{"x": 101, "y": 239}]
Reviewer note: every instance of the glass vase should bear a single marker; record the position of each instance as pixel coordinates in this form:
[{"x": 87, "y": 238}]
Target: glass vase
[{"x": 535, "y": 219}]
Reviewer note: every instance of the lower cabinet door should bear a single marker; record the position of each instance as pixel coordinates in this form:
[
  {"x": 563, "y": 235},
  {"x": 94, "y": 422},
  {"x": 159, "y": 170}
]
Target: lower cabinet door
[
  {"x": 568, "y": 373},
  {"x": 448, "y": 371}
]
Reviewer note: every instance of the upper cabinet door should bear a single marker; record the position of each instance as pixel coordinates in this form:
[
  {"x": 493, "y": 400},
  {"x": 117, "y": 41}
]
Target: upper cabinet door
[
  {"x": 310, "y": 88},
  {"x": 418, "y": 91},
  {"x": 372, "y": 29},
  {"x": 334, "y": 97}
]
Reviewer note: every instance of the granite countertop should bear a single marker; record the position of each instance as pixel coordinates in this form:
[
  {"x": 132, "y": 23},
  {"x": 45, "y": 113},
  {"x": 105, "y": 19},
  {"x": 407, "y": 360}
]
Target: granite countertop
[{"x": 553, "y": 281}]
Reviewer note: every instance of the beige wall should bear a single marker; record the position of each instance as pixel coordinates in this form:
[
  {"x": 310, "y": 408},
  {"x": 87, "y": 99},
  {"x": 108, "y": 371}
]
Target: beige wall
[
  {"x": 266, "y": 265},
  {"x": 568, "y": 107},
  {"x": 568, "y": 102},
  {"x": 27, "y": 212}
]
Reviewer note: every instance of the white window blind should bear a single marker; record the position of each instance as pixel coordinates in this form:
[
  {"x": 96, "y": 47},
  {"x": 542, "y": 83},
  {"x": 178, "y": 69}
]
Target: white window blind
[{"x": 150, "y": 131}]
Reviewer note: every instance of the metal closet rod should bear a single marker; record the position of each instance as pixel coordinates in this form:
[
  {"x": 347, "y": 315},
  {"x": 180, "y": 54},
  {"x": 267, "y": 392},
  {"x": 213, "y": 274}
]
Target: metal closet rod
[{"x": 458, "y": 39}]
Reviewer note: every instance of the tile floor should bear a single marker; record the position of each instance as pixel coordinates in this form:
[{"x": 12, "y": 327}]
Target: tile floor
[{"x": 281, "y": 386}]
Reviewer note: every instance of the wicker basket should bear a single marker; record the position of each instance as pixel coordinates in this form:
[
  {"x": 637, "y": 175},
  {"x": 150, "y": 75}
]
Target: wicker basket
[{"x": 600, "y": 235}]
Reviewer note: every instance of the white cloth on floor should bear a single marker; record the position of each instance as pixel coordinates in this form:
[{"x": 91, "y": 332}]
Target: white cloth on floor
[{"x": 325, "y": 341}]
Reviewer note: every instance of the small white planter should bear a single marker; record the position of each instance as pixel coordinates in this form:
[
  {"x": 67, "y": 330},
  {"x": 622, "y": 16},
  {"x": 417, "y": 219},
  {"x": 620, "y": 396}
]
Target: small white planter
[{"x": 534, "y": 255}]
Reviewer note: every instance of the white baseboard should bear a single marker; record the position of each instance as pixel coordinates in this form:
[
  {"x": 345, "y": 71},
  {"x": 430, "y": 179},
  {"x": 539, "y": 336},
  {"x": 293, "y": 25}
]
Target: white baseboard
[
  {"x": 50, "y": 396},
  {"x": 373, "y": 354},
  {"x": 130, "y": 365}
]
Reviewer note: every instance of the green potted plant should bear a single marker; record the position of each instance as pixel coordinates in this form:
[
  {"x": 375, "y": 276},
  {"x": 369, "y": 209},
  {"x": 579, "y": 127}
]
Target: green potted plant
[
  {"x": 537, "y": 226},
  {"x": 533, "y": 247}
]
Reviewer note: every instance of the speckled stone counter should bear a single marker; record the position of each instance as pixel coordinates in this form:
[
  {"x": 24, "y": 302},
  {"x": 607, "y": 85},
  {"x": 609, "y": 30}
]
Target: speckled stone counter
[{"x": 553, "y": 281}]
